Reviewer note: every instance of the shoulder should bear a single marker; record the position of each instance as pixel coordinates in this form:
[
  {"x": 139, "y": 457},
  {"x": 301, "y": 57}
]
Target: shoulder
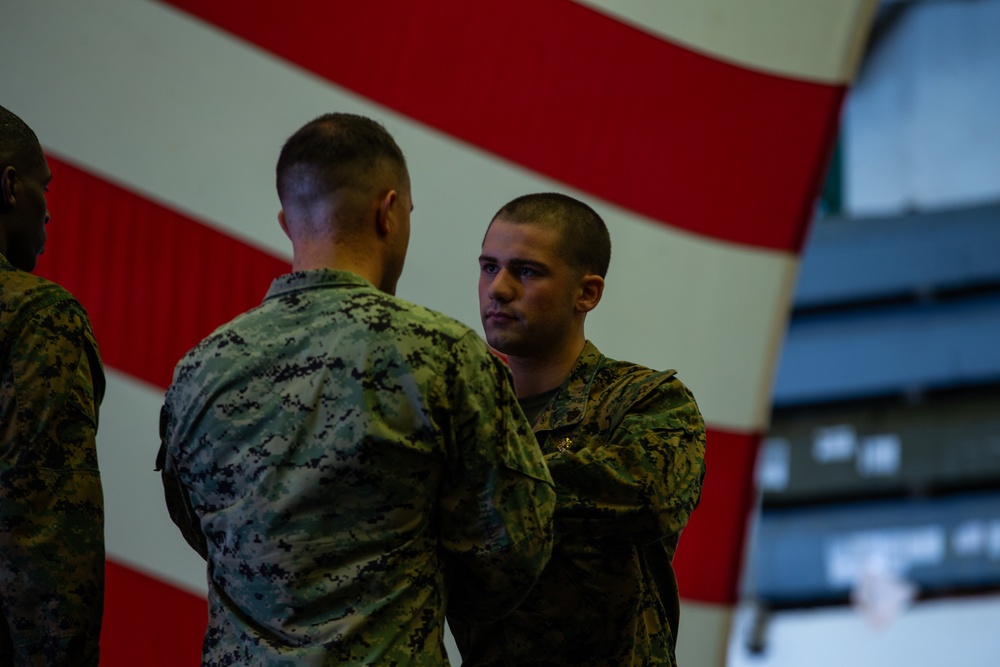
[
  {"x": 459, "y": 354},
  {"x": 422, "y": 322},
  {"x": 631, "y": 382},
  {"x": 42, "y": 323},
  {"x": 614, "y": 378},
  {"x": 226, "y": 344},
  {"x": 357, "y": 322},
  {"x": 27, "y": 298},
  {"x": 26, "y": 293},
  {"x": 625, "y": 388},
  {"x": 434, "y": 338}
]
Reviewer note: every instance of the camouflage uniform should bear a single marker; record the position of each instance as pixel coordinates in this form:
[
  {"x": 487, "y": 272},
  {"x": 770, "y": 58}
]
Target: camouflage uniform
[
  {"x": 51, "y": 501},
  {"x": 333, "y": 453},
  {"x": 625, "y": 446}
]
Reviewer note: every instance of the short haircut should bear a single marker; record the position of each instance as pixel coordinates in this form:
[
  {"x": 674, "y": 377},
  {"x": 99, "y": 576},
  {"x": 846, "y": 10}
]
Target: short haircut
[
  {"x": 583, "y": 237},
  {"x": 341, "y": 150},
  {"x": 19, "y": 146}
]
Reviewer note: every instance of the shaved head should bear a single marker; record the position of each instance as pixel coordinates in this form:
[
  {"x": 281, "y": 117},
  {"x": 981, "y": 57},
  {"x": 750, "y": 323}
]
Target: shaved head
[
  {"x": 584, "y": 242},
  {"x": 341, "y": 158},
  {"x": 19, "y": 146}
]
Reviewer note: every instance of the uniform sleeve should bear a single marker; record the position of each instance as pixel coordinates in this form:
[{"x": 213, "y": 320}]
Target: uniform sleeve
[
  {"x": 174, "y": 492},
  {"x": 643, "y": 480},
  {"x": 497, "y": 501},
  {"x": 51, "y": 500}
]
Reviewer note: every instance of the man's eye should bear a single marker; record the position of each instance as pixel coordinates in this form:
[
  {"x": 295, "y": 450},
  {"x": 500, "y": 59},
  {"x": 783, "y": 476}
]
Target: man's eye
[
  {"x": 489, "y": 268},
  {"x": 528, "y": 272}
]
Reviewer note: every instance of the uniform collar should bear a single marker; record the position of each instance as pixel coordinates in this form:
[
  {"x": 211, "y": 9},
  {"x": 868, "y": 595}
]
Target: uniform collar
[
  {"x": 314, "y": 279},
  {"x": 569, "y": 405}
]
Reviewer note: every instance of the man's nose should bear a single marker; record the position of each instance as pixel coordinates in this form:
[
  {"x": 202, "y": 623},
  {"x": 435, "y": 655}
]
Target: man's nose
[{"x": 501, "y": 287}]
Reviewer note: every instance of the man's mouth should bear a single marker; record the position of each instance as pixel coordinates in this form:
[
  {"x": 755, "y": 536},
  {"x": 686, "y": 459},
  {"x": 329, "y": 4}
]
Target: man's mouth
[{"x": 499, "y": 315}]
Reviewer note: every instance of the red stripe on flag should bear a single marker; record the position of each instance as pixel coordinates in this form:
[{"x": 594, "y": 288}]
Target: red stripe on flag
[
  {"x": 148, "y": 622},
  {"x": 710, "y": 556},
  {"x": 556, "y": 87},
  {"x": 154, "y": 282}
]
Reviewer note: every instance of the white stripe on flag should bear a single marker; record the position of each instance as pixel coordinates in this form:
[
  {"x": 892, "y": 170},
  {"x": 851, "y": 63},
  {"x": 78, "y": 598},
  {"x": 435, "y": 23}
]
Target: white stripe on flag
[
  {"x": 138, "y": 531},
  {"x": 803, "y": 40}
]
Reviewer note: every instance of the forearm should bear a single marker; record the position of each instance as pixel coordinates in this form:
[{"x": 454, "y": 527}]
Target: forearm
[
  {"x": 487, "y": 587},
  {"x": 642, "y": 484},
  {"x": 497, "y": 501}
]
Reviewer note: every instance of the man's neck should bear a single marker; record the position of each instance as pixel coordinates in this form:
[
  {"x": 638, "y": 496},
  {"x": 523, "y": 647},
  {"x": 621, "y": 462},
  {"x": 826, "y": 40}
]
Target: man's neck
[
  {"x": 535, "y": 375},
  {"x": 338, "y": 258}
]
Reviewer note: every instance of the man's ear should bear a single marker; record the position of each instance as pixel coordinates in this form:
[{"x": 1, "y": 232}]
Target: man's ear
[
  {"x": 283, "y": 223},
  {"x": 8, "y": 178},
  {"x": 591, "y": 290},
  {"x": 385, "y": 213}
]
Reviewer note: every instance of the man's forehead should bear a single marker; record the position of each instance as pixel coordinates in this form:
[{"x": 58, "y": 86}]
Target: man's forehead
[
  {"x": 509, "y": 232},
  {"x": 517, "y": 242}
]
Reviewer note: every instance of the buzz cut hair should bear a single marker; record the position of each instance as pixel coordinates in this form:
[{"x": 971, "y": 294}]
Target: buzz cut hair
[
  {"x": 341, "y": 150},
  {"x": 584, "y": 241},
  {"x": 19, "y": 147}
]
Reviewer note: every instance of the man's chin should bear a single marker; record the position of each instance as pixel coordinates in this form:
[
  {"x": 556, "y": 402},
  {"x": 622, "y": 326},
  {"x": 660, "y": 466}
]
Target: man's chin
[
  {"x": 504, "y": 345},
  {"x": 497, "y": 343}
]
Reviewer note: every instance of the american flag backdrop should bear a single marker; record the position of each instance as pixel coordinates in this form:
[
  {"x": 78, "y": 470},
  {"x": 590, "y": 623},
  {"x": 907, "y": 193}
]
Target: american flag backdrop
[{"x": 700, "y": 131}]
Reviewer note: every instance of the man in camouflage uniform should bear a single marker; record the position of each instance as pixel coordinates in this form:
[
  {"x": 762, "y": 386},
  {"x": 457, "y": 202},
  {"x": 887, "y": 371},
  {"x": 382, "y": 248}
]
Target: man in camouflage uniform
[
  {"x": 51, "y": 387},
  {"x": 349, "y": 463},
  {"x": 624, "y": 444}
]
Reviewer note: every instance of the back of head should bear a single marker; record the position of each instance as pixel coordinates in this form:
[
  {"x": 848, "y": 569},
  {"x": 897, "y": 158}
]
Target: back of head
[
  {"x": 337, "y": 154},
  {"x": 19, "y": 146},
  {"x": 584, "y": 240},
  {"x": 24, "y": 177}
]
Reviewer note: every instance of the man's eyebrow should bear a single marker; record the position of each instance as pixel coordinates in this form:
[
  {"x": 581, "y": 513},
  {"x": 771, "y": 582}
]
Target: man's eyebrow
[{"x": 516, "y": 262}]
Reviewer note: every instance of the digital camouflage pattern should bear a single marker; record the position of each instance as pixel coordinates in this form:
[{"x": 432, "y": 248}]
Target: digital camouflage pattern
[
  {"x": 51, "y": 501},
  {"x": 625, "y": 446},
  {"x": 335, "y": 452}
]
